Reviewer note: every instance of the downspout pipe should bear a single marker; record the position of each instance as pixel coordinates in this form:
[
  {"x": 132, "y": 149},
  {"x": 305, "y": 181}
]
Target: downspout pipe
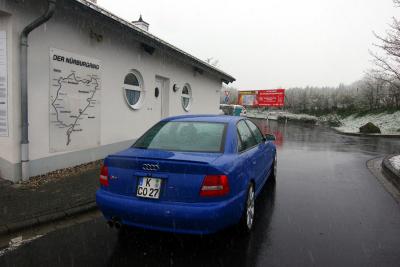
[{"x": 24, "y": 85}]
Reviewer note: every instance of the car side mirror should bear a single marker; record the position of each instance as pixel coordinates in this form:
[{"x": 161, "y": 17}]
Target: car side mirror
[{"x": 269, "y": 137}]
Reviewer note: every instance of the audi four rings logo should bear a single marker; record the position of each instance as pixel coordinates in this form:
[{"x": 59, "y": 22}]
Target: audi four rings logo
[{"x": 150, "y": 167}]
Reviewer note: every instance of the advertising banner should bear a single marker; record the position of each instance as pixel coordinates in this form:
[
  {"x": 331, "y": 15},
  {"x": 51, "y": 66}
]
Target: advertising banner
[
  {"x": 247, "y": 98},
  {"x": 270, "y": 98}
]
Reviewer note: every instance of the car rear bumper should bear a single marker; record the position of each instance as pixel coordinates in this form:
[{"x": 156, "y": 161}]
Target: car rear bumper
[{"x": 189, "y": 218}]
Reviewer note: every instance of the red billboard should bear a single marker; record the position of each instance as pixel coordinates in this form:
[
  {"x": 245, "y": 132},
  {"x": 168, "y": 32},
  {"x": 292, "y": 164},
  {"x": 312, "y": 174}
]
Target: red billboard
[{"x": 270, "y": 98}]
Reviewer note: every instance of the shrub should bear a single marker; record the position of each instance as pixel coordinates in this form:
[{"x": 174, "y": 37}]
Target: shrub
[
  {"x": 308, "y": 120},
  {"x": 281, "y": 118},
  {"x": 332, "y": 120},
  {"x": 370, "y": 128}
]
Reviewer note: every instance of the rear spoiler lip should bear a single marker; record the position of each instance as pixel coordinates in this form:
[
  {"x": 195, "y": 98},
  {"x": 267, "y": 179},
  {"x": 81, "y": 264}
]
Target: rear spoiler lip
[
  {"x": 216, "y": 155},
  {"x": 205, "y": 163},
  {"x": 111, "y": 157}
]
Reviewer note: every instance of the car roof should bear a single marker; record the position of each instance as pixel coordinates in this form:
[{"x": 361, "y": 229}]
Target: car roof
[{"x": 205, "y": 118}]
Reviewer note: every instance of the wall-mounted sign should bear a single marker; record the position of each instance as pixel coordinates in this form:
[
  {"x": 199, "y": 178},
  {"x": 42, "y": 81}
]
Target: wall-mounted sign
[
  {"x": 3, "y": 85},
  {"x": 74, "y": 105}
]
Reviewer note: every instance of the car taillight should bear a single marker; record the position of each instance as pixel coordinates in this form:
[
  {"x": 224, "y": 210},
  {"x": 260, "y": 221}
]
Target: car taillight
[
  {"x": 214, "y": 185},
  {"x": 104, "y": 175}
]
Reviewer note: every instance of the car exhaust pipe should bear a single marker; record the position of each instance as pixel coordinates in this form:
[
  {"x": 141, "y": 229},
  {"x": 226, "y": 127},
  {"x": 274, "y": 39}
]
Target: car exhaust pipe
[{"x": 117, "y": 224}]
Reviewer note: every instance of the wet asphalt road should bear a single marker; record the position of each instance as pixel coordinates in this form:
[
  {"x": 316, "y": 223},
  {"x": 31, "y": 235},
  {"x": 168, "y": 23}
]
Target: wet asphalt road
[{"x": 326, "y": 209}]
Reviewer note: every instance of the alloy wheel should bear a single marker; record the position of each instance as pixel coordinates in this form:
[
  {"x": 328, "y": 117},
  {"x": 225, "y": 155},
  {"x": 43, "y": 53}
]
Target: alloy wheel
[{"x": 250, "y": 208}]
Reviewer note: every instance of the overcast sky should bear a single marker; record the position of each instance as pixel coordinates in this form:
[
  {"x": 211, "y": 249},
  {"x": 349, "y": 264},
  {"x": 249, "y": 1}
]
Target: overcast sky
[{"x": 267, "y": 44}]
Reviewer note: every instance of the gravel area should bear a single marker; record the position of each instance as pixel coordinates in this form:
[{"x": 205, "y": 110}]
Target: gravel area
[{"x": 37, "y": 181}]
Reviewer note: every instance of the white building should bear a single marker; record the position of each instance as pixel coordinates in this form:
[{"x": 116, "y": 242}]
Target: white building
[{"x": 95, "y": 83}]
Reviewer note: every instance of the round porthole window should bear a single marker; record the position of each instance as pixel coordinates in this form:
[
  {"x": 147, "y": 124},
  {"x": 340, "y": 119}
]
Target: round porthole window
[
  {"x": 133, "y": 89},
  {"x": 186, "y": 97},
  {"x": 156, "y": 92}
]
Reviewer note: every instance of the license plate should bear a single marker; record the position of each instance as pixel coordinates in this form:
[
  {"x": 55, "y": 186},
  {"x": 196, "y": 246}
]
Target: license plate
[{"x": 149, "y": 187}]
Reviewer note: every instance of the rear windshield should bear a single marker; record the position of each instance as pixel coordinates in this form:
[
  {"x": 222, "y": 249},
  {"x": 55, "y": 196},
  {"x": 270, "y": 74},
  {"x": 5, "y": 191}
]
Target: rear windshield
[{"x": 184, "y": 136}]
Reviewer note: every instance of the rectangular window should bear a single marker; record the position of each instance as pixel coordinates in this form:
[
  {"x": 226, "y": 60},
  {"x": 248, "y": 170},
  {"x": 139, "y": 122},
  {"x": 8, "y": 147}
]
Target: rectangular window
[{"x": 184, "y": 136}]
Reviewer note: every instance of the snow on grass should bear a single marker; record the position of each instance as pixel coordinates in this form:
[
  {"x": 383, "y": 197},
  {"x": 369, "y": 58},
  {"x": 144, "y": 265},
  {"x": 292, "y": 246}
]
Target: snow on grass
[
  {"x": 388, "y": 123},
  {"x": 395, "y": 161},
  {"x": 283, "y": 114},
  {"x": 298, "y": 116}
]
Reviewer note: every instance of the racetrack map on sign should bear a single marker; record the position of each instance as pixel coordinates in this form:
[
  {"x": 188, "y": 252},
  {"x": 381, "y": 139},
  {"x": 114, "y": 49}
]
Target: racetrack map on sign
[
  {"x": 66, "y": 117},
  {"x": 74, "y": 103}
]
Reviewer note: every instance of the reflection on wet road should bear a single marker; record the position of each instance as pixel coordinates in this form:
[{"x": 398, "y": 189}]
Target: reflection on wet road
[{"x": 326, "y": 209}]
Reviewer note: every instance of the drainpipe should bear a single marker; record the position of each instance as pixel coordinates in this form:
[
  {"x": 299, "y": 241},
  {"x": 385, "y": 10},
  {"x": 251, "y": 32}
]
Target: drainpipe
[{"x": 24, "y": 85}]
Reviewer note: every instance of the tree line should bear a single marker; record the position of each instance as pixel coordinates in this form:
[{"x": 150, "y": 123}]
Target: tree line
[{"x": 378, "y": 90}]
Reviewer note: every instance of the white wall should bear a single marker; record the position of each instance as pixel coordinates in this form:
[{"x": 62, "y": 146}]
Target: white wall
[{"x": 69, "y": 30}]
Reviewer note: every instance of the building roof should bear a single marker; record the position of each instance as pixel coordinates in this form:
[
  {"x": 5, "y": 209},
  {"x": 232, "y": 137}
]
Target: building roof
[{"x": 155, "y": 42}]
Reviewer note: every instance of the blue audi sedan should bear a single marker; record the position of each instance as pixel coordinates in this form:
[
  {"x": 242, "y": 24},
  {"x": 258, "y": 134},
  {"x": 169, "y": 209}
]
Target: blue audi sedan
[{"x": 194, "y": 174}]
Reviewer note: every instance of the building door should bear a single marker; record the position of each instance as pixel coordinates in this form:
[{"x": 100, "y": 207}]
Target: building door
[{"x": 162, "y": 86}]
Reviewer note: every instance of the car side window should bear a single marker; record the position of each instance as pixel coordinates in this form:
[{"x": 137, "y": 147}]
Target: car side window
[
  {"x": 239, "y": 143},
  {"x": 247, "y": 138},
  {"x": 256, "y": 131}
]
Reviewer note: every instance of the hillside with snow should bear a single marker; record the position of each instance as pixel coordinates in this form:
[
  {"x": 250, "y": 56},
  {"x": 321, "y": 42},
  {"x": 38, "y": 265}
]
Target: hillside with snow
[{"x": 388, "y": 123}]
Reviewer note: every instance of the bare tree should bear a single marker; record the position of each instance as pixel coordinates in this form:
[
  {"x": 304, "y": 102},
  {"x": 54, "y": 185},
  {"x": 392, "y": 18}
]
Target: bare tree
[
  {"x": 379, "y": 89},
  {"x": 368, "y": 93},
  {"x": 388, "y": 61}
]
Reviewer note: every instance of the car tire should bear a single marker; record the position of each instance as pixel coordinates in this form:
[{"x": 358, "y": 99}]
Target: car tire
[
  {"x": 123, "y": 233},
  {"x": 274, "y": 168},
  {"x": 247, "y": 220}
]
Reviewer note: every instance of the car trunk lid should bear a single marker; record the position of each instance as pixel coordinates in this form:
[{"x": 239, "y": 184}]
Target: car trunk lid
[{"x": 181, "y": 173}]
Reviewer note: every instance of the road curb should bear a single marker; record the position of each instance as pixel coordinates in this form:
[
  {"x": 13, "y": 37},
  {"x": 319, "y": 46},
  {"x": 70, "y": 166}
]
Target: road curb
[
  {"x": 366, "y": 135},
  {"x": 57, "y": 215},
  {"x": 390, "y": 172},
  {"x": 375, "y": 167}
]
